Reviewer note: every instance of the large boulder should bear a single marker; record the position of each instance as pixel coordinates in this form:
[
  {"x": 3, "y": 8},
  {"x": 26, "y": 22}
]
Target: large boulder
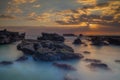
[
  {"x": 47, "y": 50},
  {"x": 52, "y": 37}
]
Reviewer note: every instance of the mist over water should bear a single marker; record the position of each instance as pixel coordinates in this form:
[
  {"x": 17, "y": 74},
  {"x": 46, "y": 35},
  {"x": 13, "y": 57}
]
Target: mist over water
[{"x": 32, "y": 70}]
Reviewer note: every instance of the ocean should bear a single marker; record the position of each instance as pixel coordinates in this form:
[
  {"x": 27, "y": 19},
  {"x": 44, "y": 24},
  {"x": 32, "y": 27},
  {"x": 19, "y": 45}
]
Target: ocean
[{"x": 32, "y": 70}]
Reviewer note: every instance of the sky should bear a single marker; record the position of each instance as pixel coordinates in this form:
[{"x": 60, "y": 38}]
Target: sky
[{"x": 87, "y": 15}]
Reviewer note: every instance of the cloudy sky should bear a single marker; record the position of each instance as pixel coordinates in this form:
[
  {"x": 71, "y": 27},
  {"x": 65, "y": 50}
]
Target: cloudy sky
[{"x": 92, "y": 13}]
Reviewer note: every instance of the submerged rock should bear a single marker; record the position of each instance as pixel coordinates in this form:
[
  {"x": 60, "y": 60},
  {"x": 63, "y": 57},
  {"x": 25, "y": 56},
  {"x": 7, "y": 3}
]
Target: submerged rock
[
  {"x": 6, "y": 63},
  {"x": 118, "y": 61},
  {"x": 86, "y": 52},
  {"x": 22, "y": 58},
  {"x": 92, "y": 60},
  {"x": 51, "y": 37},
  {"x": 64, "y": 66},
  {"x": 99, "y": 65},
  {"x": 47, "y": 50}
]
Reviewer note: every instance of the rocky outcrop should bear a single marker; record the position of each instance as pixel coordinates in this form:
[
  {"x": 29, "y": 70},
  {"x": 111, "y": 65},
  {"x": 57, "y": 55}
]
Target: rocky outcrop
[
  {"x": 64, "y": 66},
  {"x": 51, "y": 37},
  {"x": 77, "y": 41},
  {"x": 86, "y": 52},
  {"x": 114, "y": 41},
  {"x": 47, "y": 50},
  {"x": 7, "y": 37},
  {"x": 98, "y": 41},
  {"x": 6, "y": 63}
]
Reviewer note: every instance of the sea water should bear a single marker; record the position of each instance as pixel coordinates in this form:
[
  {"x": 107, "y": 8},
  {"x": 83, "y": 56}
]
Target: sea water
[{"x": 32, "y": 70}]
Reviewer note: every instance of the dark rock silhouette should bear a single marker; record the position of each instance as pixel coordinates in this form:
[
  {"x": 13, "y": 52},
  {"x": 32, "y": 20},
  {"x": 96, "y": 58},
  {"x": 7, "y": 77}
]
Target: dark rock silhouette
[
  {"x": 7, "y": 37},
  {"x": 98, "y": 41},
  {"x": 86, "y": 52},
  {"x": 77, "y": 41},
  {"x": 6, "y": 63},
  {"x": 114, "y": 41},
  {"x": 117, "y": 61}
]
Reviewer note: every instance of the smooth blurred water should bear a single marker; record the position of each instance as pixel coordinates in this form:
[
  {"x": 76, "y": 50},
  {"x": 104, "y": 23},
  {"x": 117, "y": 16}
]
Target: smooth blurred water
[{"x": 32, "y": 70}]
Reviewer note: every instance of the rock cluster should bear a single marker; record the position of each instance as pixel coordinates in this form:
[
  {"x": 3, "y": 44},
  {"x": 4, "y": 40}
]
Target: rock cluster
[
  {"x": 7, "y": 37},
  {"x": 98, "y": 41},
  {"x": 48, "y": 48}
]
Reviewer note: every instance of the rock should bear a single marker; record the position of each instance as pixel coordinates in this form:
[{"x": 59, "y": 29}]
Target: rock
[
  {"x": 51, "y": 37},
  {"x": 118, "y": 61},
  {"x": 99, "y": 65},
  {"x": 64, "y": 66},
  {"x": 86, "y": 52},
  {"x": 114, "y": 41},
  {"x": 22, "y": 58},
  {"x": 92, "y": 60},
  {"x": 48, "y": 50},
  {"x": 7, "y": 37},
  {"x": 98, "y": 41},
  {"x": 6, "y": 63},
  {"x": 77, "y": 41}
]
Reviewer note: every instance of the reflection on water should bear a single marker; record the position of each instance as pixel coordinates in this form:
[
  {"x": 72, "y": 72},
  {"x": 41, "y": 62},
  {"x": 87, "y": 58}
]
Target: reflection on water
[{"x": 31, "y": 70}]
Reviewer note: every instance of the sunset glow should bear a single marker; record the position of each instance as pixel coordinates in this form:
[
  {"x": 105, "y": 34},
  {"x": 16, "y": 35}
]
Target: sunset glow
[{"x": 64, "y": 13}]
